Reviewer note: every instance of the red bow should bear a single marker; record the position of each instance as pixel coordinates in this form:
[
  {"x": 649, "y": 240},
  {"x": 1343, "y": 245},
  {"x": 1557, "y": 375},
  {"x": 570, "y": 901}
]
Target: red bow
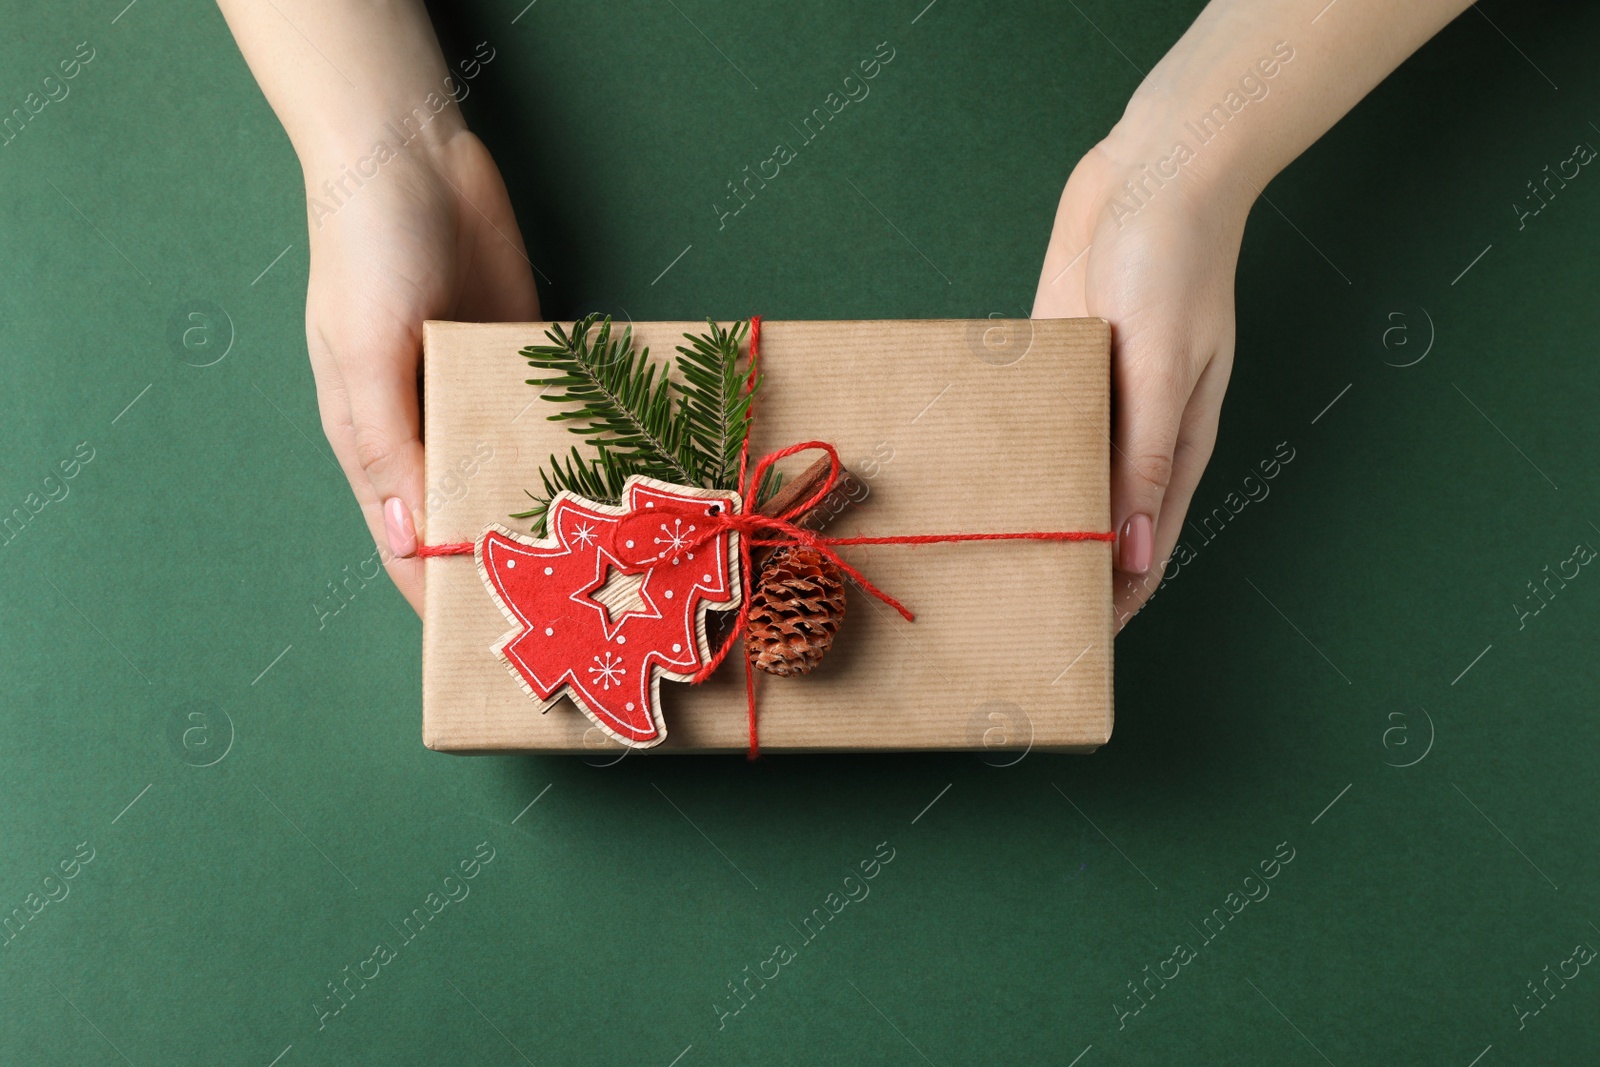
[{"x": 750, "y": 525}]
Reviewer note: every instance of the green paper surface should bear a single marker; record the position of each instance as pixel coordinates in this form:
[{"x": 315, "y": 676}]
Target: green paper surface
[{"x": 239, "y": 752}]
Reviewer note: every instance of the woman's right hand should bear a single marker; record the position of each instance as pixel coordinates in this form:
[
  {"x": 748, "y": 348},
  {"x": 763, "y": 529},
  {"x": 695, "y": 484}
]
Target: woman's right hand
[
  {"x": 1160, "y": 271},
  {"x": 431, "y": 236}
]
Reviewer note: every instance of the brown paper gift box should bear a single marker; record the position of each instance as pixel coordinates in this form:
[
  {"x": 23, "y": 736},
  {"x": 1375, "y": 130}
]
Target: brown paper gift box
[{"x": 954, "y": 426}]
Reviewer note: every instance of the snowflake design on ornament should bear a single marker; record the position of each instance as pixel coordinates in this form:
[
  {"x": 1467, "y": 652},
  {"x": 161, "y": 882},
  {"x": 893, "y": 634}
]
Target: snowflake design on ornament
[
  {"x": 583, "y": 534},
  {"x": 676, "y": 540},
  {"x": 608, "y": 672}
]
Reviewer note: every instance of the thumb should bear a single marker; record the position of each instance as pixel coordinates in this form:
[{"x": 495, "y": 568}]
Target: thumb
[
  {"x": 384, "y": 414},
  {"x": 1150, "y": 388}
]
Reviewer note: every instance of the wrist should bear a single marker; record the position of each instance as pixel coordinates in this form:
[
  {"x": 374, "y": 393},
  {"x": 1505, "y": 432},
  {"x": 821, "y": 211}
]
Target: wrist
[
  {"x": 1214, "y": 107},
  {"x": 1142, "y": 168},
  {"x": 357, "y": 144}
]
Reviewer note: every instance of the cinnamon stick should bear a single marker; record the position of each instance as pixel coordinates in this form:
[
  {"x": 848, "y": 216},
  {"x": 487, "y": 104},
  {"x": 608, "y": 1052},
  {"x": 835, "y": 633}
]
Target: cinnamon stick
[{"x": 802, "y": 488}]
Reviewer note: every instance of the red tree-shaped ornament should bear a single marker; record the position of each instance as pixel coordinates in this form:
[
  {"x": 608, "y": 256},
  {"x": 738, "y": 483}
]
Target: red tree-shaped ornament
[{"x": 589, "y": 625}]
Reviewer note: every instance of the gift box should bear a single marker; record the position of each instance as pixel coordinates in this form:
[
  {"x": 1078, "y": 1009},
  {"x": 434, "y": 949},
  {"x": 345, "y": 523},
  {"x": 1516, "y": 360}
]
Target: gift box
[{"x": 947, "y": 426}]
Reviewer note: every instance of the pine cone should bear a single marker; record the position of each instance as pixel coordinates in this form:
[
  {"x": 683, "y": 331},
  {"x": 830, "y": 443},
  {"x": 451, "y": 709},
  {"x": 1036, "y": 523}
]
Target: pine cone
[{"x": 795, "y": 611}]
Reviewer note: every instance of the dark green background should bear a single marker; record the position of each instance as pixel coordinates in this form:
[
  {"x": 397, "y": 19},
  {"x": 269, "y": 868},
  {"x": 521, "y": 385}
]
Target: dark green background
[{"x": 192, "y": 548}]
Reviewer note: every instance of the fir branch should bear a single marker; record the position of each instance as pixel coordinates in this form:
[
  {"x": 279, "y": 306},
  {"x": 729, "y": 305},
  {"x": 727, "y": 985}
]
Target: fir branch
[
  {"x": 628, "y": 414},
  {"x": 771, "y": 482},
  {"x": 616, "y": 392},
  {"x": 713, "y": 399},
  {"x": 596, "y": 479}
]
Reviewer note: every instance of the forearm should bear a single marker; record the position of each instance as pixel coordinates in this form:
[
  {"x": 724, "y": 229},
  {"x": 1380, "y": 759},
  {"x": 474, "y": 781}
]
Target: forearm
[
  {"x": 1253, "y": 83},
  {"x": 340, "y": 73}
]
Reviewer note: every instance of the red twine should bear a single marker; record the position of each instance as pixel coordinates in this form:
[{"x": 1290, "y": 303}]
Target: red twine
[
  {"x": 757, "y": 530},
  {"x": 454, "y": 548}
]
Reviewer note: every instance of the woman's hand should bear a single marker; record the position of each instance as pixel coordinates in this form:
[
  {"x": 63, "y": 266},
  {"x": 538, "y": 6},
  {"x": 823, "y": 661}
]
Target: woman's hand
[
  {"x": 1147, "y": 233},
  {"x": 431, "y": 236},
  {"x": 409, "y": 221},
  {"x": 1160, "y": 269}
]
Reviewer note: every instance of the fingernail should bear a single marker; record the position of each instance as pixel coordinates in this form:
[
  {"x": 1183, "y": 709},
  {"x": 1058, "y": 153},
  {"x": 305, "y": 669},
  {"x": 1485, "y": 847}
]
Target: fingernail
[
  {"x": 1138, "y": 544},
  {"x": 402, "y": 534}
]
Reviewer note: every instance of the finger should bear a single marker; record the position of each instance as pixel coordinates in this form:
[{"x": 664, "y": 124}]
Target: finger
[
  {"x": 1151, "y": 386},
  {"x": 1197, "y": 436},
  {"x": 373, "y": 428},
  {"x": 334, "y": 404},
  {"x": 380, "y": 376}
]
